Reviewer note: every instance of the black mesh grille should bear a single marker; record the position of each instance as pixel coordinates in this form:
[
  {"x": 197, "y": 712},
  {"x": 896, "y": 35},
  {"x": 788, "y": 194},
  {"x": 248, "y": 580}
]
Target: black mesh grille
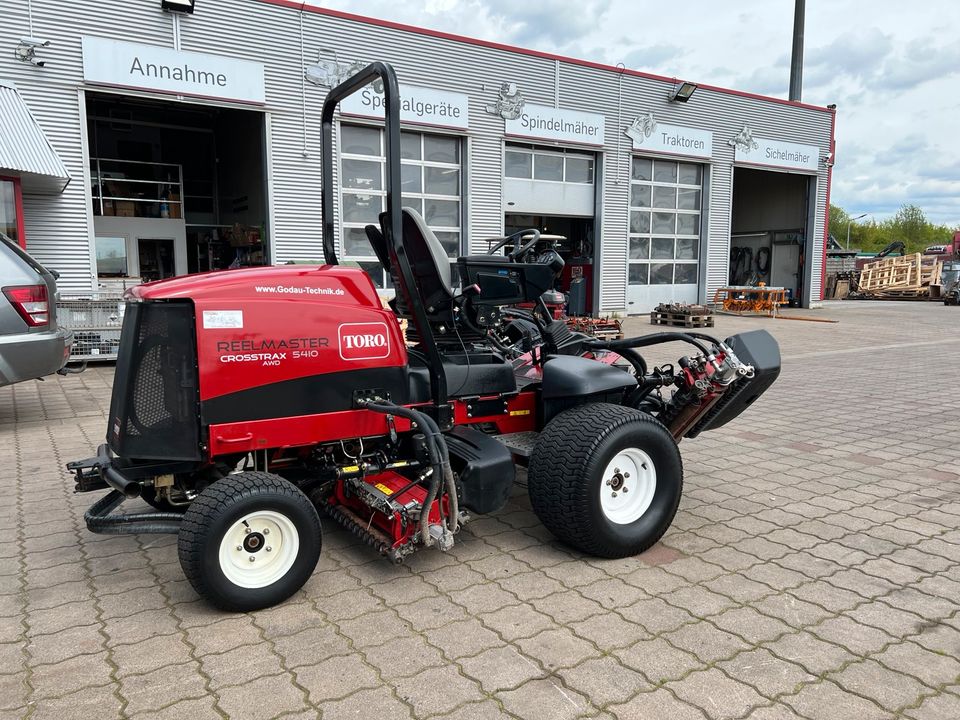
[{"x": 153, "y": 413}]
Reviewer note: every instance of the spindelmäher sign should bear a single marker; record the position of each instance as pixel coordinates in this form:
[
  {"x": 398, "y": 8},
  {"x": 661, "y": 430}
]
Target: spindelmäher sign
[
  {"x": 549, "y": 123},
  {"x": 423, "y": 106},
  {"x": 149, "y": 67},
  {"x": 777, "y": 153}
]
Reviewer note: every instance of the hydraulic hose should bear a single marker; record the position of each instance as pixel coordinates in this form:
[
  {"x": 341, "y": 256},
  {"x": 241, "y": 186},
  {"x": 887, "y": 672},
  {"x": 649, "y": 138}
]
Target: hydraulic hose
[
  {"x": 635, "y": 359},
  {"x": 647, "y": 340},
  {"x": 99, "y": 520},
  {"x": 444, "y": 452},
  {"x": 439, "y": 460}
]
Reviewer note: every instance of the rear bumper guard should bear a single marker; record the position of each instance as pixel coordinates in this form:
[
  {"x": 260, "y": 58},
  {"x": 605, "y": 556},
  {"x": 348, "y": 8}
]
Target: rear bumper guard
[{"x": 98, "y": 473}]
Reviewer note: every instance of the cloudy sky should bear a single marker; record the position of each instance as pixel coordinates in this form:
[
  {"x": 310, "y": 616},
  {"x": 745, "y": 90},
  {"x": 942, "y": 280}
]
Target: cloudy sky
[{"x": 892, "y": 68}]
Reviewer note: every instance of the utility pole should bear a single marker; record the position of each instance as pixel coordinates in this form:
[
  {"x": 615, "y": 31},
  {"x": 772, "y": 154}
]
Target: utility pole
[{"x": 796, "y": 60}]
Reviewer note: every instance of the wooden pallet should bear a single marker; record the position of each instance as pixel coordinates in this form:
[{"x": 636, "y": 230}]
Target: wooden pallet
[
  {"x": 681, "y": 320},
  {"x": 907, "y": 276}
]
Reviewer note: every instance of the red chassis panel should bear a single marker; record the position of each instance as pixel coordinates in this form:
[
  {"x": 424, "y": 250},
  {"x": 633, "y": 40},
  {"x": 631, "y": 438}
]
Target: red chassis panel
[
  {"x": 307, "y": 430},
  {"x": 262, "y": 326}
]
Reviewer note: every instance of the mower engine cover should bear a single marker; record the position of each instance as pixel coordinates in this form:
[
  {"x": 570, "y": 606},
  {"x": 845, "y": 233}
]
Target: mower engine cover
[{"x": 267, "y": 343}]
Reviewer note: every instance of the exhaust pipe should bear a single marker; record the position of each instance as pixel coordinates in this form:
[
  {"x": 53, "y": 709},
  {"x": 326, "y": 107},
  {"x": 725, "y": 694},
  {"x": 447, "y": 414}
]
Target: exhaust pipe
[{"x": 129, "y": 488}]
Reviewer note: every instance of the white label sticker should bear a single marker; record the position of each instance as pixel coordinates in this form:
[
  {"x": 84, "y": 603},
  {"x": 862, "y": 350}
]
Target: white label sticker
[{"x": 214, "y": 319}]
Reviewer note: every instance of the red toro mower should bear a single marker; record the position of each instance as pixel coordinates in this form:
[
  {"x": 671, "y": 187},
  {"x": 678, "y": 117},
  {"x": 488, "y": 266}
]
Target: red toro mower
[{"x": 245, "y": 401}]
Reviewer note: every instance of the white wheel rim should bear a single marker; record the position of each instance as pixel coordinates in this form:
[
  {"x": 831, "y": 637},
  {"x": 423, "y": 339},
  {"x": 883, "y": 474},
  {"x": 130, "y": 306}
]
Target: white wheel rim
[
  {"x": 269, "y": 538},
  {"x": 628, "y": 486}
]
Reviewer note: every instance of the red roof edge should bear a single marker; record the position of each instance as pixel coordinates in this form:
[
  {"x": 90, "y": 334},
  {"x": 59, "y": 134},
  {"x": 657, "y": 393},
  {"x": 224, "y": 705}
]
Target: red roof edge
[{"x": 301, "y": 6}]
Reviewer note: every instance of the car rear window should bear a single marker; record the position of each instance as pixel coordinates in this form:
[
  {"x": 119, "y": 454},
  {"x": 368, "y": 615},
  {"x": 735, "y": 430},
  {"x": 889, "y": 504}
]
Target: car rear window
[{"x": 19, "y": 251}]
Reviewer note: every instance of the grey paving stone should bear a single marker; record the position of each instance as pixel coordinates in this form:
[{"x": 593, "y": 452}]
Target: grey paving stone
[
  {"x": 544, "y": 698},
  {"x": 797, "y": 516},
  {"x": 261, "y": 699},
  {"x": 810, "y": 652},
  {"x": 768, "y": 674},
  {"x": 658, "y": 660},
  {"x": 660, "y": 703},
  {"x": 942, "y": 706},
  {"x": 437, "y": 691},
  {"x": 887, "y": 688},
  {"x": 558, "y": 648},
  {"x": 720, "y": 697},
  {"x": 706, "y": 641},
  {"x": 604, "y": 680},
  {"x": 825, "y": 700}
]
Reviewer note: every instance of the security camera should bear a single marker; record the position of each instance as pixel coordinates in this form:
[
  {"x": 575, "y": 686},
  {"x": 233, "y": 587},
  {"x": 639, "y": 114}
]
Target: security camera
[{"x": 26, "y": 50}]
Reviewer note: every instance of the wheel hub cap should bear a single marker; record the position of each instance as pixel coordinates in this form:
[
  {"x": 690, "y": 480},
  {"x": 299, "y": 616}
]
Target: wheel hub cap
[
  {"x": 259, "y": 549},
  {"x": 630, "y": 482}
]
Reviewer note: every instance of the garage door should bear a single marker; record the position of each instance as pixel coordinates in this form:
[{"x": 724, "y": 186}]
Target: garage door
[
  {"x": 664, "y": 253},
  {"x": 555, "y": 181},
  {"x": 430, "y": 179}
]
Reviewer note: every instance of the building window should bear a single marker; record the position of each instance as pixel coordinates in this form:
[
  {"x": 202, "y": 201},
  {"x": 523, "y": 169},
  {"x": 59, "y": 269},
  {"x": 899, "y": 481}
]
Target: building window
[
  {"x": 11, "y": 212},
  {"x": 529, "y": 163},
  {"x": 111, "y": 256},
  {"x": 430, "y": 179},
  {"x": 665, "y": 203}
]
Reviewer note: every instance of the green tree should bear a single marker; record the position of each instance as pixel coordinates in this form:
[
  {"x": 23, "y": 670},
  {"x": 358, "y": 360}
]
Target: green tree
[
  {"x": 911, "y": 226},
  {"x": 838, "y": 222}
]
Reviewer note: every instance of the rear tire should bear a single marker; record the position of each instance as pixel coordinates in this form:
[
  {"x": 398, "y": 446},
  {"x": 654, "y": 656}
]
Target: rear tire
[
  {"x": 588, "y": 453},
  {"x": 249, "y": 515}
]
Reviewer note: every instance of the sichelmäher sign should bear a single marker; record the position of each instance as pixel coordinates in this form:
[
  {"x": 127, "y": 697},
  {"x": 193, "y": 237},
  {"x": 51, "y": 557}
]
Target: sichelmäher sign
[
  {"x": 423, "y": 106},
  {"x": 149, "y": 67},
  {"x": 547, "y": 123},
  {"x": 776, "y": 153}
]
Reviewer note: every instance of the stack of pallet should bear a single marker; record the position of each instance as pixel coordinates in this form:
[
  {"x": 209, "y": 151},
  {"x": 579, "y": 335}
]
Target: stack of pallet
[
  {"x": 604, "y": 328},
  {"x": 682, "y": 315},
  {"x": 893, "y": 278}
]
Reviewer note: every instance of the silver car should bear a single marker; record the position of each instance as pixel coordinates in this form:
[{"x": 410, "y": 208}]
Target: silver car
[{"x": 31, "y": 343}]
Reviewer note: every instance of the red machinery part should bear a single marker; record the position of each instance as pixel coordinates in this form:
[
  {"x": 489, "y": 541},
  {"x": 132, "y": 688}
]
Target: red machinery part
[{"x": 397, "y": 526}]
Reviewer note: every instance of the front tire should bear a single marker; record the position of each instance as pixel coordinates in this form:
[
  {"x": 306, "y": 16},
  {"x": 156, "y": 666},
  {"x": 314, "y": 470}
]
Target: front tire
[
  {"x": 249, "y": 541},
  {"x": 606, "y": 479}
]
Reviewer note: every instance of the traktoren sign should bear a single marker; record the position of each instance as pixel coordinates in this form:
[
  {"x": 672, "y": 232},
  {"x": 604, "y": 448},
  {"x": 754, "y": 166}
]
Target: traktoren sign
[{"x": 149, "y": 67}]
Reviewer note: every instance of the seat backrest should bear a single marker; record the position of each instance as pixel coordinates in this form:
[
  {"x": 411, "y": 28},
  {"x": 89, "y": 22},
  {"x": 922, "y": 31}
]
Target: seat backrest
[
  {"x": 429, "y": 263},
  {"x": 379, "y": 244}
]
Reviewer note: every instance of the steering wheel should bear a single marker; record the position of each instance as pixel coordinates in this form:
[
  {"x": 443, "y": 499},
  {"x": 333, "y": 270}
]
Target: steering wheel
[{"x": 514, "y": 238}]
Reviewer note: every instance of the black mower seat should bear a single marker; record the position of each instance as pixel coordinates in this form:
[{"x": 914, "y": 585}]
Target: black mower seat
[
  {"x": 487, "y": 374},
  {"x": 428, "y": 261}
]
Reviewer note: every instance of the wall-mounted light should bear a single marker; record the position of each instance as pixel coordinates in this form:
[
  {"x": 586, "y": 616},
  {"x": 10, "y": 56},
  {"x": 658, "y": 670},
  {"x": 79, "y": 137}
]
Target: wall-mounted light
[
  {"x": 26, "y": 50},
  {"x": 683, "y": 93},
  {"x": 181, "y": 6}
]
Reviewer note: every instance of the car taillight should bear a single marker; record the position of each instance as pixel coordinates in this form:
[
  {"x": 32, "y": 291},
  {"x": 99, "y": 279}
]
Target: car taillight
[{"x": 31, "y": 302}]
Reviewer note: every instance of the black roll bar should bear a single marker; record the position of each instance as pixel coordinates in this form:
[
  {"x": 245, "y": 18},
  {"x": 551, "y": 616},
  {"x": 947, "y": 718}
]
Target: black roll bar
[{"x": 394, "y": 229}]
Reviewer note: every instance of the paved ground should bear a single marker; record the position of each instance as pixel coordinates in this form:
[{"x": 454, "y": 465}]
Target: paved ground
[{"x": 813, "y": 571}]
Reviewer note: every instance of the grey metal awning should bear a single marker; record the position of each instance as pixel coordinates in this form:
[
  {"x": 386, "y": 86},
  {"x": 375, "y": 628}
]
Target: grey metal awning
[{"x": 25, "y": 151}]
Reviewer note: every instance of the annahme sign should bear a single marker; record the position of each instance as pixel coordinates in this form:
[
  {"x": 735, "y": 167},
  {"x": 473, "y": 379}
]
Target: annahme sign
[
  {"x": 111, "y": 62},
  {"x": 423, "y": 106},
  {"x": 548, "y": 123}
]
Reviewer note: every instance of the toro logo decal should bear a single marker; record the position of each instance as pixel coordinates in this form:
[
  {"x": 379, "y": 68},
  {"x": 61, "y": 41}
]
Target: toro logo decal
[{"x": 364, "y": 341}]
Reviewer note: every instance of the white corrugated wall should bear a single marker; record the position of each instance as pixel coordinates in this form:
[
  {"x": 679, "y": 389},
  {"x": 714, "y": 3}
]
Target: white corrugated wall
[{"x": 59, "y": 227}]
